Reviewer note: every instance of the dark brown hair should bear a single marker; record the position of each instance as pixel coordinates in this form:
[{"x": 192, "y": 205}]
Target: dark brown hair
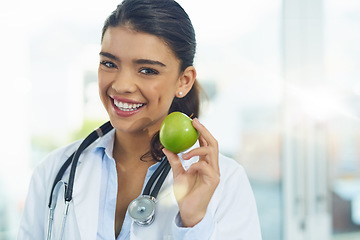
[{"x": 167, "y": 20}]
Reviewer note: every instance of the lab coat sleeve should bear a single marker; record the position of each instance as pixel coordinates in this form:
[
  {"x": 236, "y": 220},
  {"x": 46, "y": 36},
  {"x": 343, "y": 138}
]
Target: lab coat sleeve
[
  {"x": 232, "y": 212},
  {"x": 34, "y": 215}
]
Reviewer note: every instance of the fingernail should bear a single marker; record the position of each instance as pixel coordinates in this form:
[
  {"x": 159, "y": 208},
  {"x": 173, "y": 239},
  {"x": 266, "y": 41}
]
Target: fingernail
[{"x": 184, "y": 156}]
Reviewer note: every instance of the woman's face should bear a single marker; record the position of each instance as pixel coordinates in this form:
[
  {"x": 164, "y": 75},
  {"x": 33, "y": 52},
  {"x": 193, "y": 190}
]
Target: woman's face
[{"x": 138, "y": 79}]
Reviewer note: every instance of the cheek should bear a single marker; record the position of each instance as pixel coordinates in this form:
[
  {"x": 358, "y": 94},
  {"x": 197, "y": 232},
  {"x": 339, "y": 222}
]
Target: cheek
[
  {"x": 102, "y": 82},
  {"x": 164, "y": 92},
  {"x": 103, "y": 86}
]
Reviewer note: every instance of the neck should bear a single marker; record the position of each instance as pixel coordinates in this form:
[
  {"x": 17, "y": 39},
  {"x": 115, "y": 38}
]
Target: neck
[{"x": 129, "y": 148}]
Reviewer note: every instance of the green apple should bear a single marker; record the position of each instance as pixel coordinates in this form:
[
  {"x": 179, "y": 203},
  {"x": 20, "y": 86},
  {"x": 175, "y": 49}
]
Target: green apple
[{"x": 177, "y": 133}]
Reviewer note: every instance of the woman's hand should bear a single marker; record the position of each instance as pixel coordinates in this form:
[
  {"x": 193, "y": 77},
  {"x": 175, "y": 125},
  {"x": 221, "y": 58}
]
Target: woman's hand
[{"x": 194, "y": 188}]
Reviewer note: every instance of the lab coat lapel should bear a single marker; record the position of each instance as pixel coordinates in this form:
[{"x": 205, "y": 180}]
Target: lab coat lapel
[{"x": 86, "y": 194}]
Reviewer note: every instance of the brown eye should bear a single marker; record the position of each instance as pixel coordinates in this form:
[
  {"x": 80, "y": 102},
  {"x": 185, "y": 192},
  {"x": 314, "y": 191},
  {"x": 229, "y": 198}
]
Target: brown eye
[
  {"x": 149, "y": 71},
  {"x": 108, "y": 64}
]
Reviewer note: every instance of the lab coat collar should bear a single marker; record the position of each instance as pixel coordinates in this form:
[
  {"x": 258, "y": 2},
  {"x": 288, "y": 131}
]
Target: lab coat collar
[{"x": 106, "y": 142}]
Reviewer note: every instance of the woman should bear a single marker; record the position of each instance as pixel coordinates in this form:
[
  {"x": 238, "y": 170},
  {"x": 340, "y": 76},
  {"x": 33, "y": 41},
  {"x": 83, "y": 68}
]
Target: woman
[{"x": 146, "y": 71}]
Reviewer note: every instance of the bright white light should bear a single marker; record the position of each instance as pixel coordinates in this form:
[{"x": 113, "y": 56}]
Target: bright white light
[
  {"x": 222, "y": 21},
  {"x": 318, "y": 102}
]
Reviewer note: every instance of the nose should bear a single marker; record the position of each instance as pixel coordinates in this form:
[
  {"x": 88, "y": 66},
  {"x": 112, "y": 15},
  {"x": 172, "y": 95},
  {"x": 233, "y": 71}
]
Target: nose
[{"x": 124, "y": 82}]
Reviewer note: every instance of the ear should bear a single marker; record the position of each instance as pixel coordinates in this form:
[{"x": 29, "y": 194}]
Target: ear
[{"x": 186, "y": 81}]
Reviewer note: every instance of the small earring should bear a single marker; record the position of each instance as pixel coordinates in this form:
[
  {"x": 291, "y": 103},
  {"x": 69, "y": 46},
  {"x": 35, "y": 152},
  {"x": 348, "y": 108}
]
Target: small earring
[{"x": 180, "y": 93}]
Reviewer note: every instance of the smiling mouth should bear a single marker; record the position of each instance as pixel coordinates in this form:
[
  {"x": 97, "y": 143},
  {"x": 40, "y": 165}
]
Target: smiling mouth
[{"x": 127, "y": 107}]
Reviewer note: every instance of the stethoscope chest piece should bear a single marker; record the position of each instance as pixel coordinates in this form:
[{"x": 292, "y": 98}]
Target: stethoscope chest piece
[{"x": 142, "y": 210}]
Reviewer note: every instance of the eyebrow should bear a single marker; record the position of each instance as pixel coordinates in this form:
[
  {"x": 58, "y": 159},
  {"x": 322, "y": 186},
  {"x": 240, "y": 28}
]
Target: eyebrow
[
  {"x": 109, "y": 55},
  {"x": 148, "y": 61},
  {"x": 137, "y": 61}
]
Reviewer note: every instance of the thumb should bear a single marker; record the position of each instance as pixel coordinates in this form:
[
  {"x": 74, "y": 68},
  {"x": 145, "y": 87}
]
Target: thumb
[{"x": 174, "y": 161}]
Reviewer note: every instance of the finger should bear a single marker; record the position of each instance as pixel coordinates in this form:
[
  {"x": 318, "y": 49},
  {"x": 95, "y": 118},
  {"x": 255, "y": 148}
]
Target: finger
[
  {"x": 205, "y": 136},
  {"x": 202, "y": 141},
  {"x": 174, "y": 161},
  {"x": 208, "y": 174},
  {"x": 206, "y": 154},
  {"x": 207, "y": 139},
  {"x": 200, "y": 151}
]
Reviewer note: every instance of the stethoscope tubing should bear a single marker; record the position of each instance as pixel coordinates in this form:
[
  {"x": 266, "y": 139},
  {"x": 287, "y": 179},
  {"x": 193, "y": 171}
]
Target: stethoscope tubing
[
  {"x": 105, "y": 128},
  {"x": 163, "y": 169},
  {"x": 73, "y": 160}
]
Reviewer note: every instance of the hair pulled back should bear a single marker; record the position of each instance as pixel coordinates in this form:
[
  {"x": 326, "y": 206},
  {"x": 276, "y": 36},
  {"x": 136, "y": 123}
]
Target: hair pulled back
[{"x": 167, "y": 20}]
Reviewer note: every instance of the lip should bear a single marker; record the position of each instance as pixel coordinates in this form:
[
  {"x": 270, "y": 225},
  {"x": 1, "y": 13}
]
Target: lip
[
  {"x": 122, "y": 113},
  {"x": 125, "y": 100}
]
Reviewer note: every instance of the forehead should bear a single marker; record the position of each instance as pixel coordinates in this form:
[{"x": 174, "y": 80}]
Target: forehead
[{"x": 127, "y": 43}]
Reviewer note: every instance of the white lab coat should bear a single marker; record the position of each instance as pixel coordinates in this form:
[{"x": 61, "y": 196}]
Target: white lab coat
[{"x": 232, "y": 209}]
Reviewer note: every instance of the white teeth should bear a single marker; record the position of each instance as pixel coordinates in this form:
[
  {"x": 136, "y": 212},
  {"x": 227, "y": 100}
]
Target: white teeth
[{"x": 127, "y": 106}]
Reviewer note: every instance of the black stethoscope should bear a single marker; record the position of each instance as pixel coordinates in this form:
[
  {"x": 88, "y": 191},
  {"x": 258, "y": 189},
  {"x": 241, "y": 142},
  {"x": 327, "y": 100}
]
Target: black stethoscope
[{"x": 141, "y": 209}]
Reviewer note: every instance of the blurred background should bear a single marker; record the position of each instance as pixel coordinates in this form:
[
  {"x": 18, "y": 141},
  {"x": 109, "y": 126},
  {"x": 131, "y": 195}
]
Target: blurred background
[{"x": 282, "y": 77}]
